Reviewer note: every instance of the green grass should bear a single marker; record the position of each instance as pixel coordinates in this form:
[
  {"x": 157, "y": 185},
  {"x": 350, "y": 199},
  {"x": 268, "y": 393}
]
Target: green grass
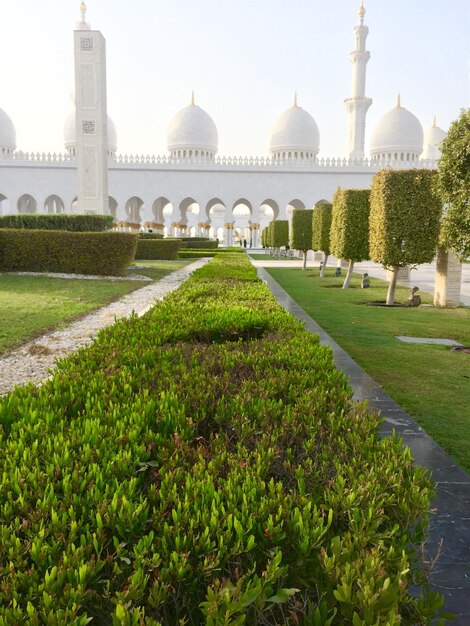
[
  {"x": 33, "y": 305},
  {"x": 431, "y": 382}
]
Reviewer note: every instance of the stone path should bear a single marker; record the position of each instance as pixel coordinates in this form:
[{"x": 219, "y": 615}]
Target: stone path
[
  {"x": 450, "y": 515},
  {"x": 33, "y": 360}
]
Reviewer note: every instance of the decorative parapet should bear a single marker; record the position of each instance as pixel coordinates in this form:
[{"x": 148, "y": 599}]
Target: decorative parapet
[{"x": 277, "y": 163}]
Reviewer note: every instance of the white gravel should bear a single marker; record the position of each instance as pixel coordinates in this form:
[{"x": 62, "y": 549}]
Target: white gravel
[{"x": 33, "y": 360}]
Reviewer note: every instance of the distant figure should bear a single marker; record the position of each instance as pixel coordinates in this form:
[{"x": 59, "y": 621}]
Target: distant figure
[
  {"x": 365, "y": 282},
  {"x": 244, "y": 243},
  {"x": 338, "y": 272},
  {"x": 414, "y": 299},
  {"x": 320, "y": 266}
]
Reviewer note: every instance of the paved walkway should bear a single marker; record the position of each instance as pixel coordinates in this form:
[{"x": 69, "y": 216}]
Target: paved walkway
[{"x": 450, "y": 516}]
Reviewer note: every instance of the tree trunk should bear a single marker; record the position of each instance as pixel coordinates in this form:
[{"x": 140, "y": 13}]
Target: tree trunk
[
  {"x": 305, "y": 259},
  {"x": 347, "y": 280},
  {"x": 391, "y": 287},
  {"x": 323, "y": 267}
]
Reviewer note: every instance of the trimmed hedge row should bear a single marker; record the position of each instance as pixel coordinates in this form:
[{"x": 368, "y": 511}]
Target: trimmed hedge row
[
  {"x": 63, "y": 221},
  {"x": 107, "y": 253},
  {"x": 208, "y": 244},
  {"x": 204, "y": 464},
  {"x": 158, "y": 249},
  {"x": 151, "y": 236}
]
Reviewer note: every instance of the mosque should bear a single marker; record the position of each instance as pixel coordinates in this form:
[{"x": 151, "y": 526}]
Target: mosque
[{"x": 191, "y": 191}]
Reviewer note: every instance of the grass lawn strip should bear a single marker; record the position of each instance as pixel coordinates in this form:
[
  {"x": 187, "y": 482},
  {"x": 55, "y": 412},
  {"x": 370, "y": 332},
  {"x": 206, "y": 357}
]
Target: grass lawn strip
[
  {"x": 33, "y": 305},
  {"x": 431, "y": 382}
]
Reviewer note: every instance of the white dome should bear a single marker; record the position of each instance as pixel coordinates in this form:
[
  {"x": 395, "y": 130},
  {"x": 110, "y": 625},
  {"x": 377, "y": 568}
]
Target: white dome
[
  {"x": 70, "y": 134},
  {"x": 397, "y": 132},
  {"x": 433, "y": 137},
  {"x": 192, "y": 129},
  {"x": 7, "y": 132},
  {"x": 295, "y": 130}
]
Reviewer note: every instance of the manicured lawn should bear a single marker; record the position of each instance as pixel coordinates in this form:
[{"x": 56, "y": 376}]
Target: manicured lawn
[
  {"x": 431, "y": 382},
  {"x": 32, "y": 305}
]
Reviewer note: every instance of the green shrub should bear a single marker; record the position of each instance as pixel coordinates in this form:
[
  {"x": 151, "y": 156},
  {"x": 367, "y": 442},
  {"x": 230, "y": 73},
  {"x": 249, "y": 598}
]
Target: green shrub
[
  {"x": 301, "y": 233},
  {"x": 349, "y": 233},
  {"x": 405, "y": 218},
  {"x": 205, "y": 464},
  {"x": 321, "y": 226},
  {"x": 63, "y": 221},
  {"x": 158, "y": 249},
  {"x": 151, "y": 235},
  {"x": 71, "y": 252},
  {"x": 208, "y": 244},
  {"x": 280, "y": 233}
]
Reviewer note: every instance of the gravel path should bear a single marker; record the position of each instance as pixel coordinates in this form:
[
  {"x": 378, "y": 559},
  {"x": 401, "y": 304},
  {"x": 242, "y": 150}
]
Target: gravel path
[{"x": 33, "y": 360}]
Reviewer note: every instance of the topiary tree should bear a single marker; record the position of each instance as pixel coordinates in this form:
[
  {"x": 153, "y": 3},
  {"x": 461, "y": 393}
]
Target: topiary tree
[
  {"x": 321, "y": 225},
  {"x": 349, "y": 234},
  {"x": 264, "y": 237},
  {"x": 301, "y": 231},
  {"x": 279, "y": 234},
  {"x": 404, "y": 224},
  {"x": 453, "y": 186}
]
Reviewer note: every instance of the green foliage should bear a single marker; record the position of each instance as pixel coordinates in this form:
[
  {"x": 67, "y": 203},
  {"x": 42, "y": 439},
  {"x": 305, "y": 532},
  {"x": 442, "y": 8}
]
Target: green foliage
[
  {"x": 195, "y": 243},
  {"x": 199, "y": 254},
  {"x": 151, "y": 236},
  {"x": 264, "y": 237},
  {"x": 279, "y": 233},
  {"x": 321, "y": 226},
  {"x": 205, "y": 464},
  {"x": 350, "y": 224},
  {"x": 62, "y": 221},
  {"x": 158, "y": 249},
  {"x": 453, "y": 186},
  {"x": 404, "y": 217},
  {"x": 108, "y": 253},
  {"x": 301, "y": 235}
]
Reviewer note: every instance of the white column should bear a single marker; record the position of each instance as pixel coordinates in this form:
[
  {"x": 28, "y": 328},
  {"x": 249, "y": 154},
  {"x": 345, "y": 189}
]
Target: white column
[
  {"x": 358, "y": 105},
  {"x": 91, "y": 121},
  {"x": 448, "y": 279}
]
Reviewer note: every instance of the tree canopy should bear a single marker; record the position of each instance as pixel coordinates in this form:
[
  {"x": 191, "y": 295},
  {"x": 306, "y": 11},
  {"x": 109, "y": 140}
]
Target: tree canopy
[{"x": 453, "y": 186}]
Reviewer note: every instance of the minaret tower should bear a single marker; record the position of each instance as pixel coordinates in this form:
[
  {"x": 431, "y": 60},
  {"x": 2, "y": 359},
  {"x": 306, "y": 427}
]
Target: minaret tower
[{"x": 358, "y": 105}]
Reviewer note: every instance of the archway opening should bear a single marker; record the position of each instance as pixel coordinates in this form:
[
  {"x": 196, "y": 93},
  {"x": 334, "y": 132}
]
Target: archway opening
[
  {"x": 27, "y": 204},
  {"x": 54, "y": 204}
]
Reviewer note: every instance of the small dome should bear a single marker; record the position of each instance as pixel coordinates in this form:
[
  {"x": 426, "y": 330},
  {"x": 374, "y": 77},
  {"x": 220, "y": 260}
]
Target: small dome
[
  {"x": 397, "y": 132},
  {"x": 7, "y": 134},
  {"x": 192, "y": 129},
  {"x": 70, "y": 137},
  {"x": 295, "y": 131},
  {"x": 433, "y": 137}
]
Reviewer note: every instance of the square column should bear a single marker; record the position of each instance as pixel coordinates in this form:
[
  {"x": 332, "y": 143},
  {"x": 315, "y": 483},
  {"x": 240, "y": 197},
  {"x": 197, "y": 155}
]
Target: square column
[
  {"x": 91, "y": 121},
  {"x": 448, "y": 279}
]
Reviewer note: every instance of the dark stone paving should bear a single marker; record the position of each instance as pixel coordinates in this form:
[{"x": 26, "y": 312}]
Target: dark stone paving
[{"x": 450, "y": 516}]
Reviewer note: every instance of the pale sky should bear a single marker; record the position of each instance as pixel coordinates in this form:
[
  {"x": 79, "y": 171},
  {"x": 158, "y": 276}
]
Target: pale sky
[{"x": 243, "y": 58}]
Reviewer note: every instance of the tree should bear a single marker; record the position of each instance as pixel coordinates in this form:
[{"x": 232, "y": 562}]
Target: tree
[
  {"x": 301, "y": 233},
  {"x": 264, "y": 237},
  {"x": 279, "y": 234},
  {"x": 321, "y": 225},
  {"x": 350, "y": 227},
  {"x": 404, "y": 224},
  {"x": 453, "y": 186}
]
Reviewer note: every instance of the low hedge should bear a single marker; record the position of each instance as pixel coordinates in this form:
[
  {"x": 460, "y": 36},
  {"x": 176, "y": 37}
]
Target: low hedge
[
  {"x": 151, "y": 236},
  {"x": 158, "y": 249},
  {"x": 205, "y": 464},
  {"x": 63, "y": 221},
  {"x": 107, "y": 253},
  {"x": 208, "y": 244}
]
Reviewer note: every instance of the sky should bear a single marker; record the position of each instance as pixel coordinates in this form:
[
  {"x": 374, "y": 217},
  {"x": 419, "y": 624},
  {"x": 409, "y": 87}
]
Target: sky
[{"x": 243, "y": 58}]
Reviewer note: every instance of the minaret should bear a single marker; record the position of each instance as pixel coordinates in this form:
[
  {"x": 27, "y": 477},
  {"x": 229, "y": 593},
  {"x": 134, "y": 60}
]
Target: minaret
[
  {"x": 358, "y": 105},
  {"x": 91, "y": 117}
]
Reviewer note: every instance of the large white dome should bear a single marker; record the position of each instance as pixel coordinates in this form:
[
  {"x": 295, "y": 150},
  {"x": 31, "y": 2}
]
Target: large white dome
[
  {"x": 192, "y": 130},
  {"x": 397, "y": 135},
  {"x": 7, "y": 134},
  {"x": 70, "y": 135},
  {"x": 433, "y": 137},
  {"x": 295, "y": 134}
]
